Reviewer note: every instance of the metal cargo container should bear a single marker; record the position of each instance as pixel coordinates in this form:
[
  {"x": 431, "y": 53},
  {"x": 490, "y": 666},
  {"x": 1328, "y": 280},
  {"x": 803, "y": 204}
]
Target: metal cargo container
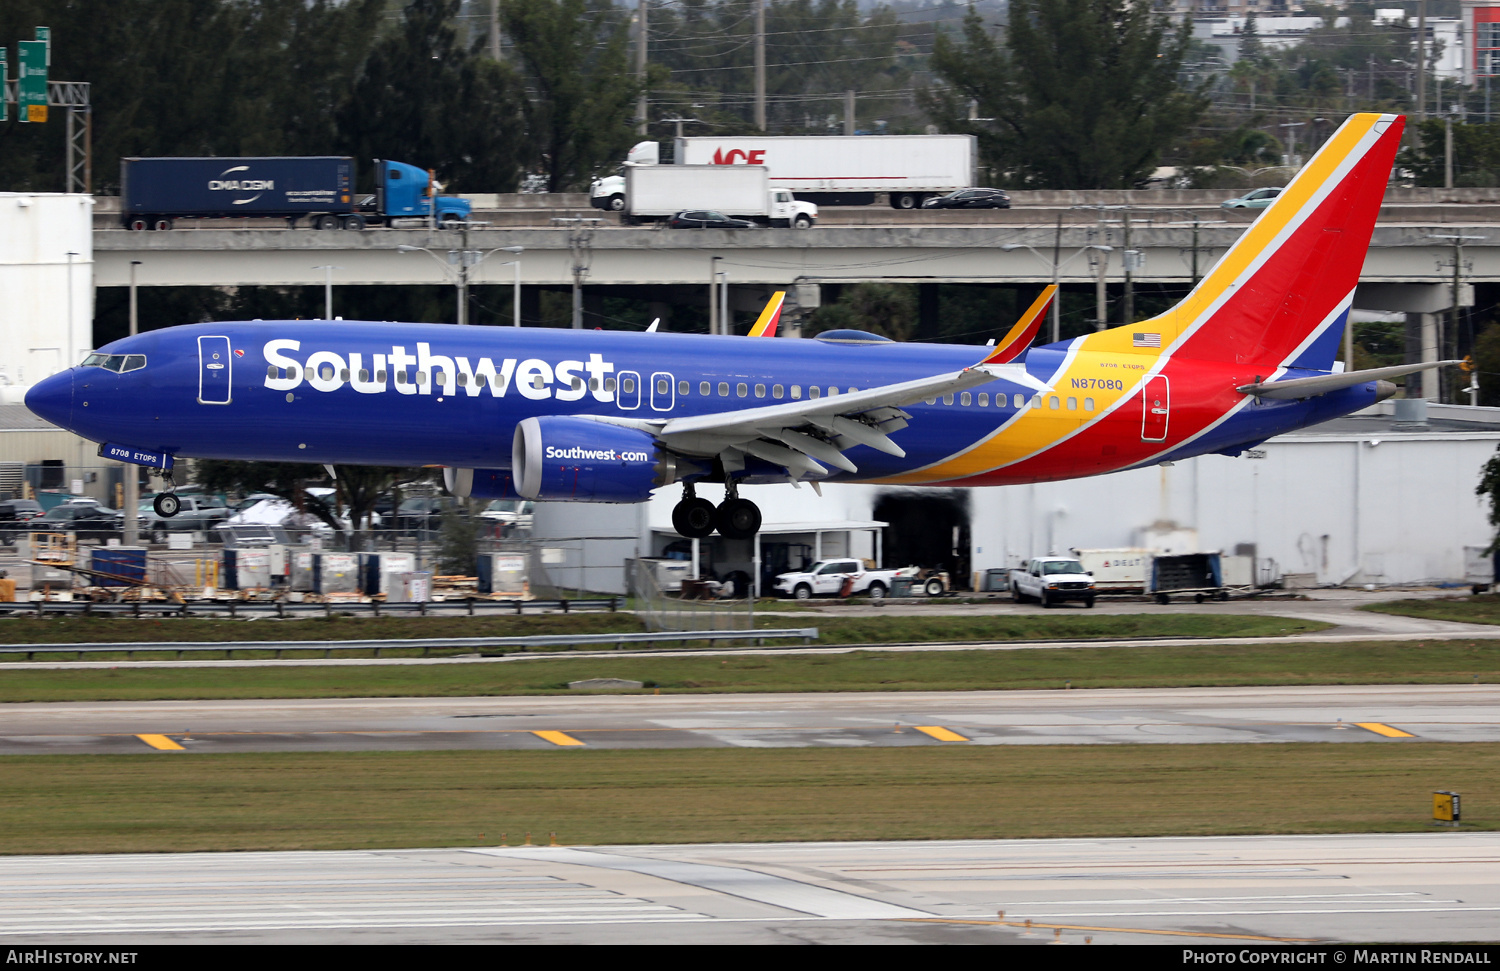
[
  {"x": 409, "y": 588},
  {"x": 1195, "y": 573},
  {"x": 503, "y": 574},
  {"x": 127, "y": 562},
  {"x": 301, "y": 568},
  {"x": 375, "y": 570},
  {"x": 247, "y": 569},
  {"x": 335, "y": 573}
]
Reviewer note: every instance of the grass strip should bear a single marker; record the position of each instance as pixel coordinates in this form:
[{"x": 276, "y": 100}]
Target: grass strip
[
  {"x": 323, "y": 801},
  {"x": 834, "y": 630},
  {"x": 1481, "y": 609},
  {"x": 1136, "y": 666}
]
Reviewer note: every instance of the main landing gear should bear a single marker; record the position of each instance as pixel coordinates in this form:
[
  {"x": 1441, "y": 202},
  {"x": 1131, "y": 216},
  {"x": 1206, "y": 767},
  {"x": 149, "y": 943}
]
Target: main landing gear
[{"x": 734, "y": 518}]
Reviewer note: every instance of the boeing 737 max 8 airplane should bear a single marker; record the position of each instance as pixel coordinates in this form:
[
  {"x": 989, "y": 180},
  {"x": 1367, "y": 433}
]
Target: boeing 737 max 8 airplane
[{"x": 596, "y": 416}]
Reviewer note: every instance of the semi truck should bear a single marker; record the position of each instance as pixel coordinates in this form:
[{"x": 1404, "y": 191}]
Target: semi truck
[
  {"x": 744, "y": 192},
  {"x": 156, "y": 191},
  {"x": 830, "y": 170}
]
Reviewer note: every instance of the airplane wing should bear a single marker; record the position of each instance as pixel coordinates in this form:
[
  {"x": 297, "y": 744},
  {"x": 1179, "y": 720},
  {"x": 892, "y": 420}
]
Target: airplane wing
[
  {"x": 1324, "y": 383},
  {"x": 801, "y": 435}
]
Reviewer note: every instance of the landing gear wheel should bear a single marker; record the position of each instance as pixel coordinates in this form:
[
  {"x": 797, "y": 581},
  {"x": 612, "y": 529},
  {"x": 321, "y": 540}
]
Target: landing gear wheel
[
  {"x": 166, "y": 505},
  {"x": 693, "y": 518},
  {"x": 737, "y": 519}
]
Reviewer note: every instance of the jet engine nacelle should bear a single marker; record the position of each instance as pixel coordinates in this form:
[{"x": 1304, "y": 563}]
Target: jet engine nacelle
[
  {"x": 480, "y": 483},
  {"x": 586, "y": 460}
]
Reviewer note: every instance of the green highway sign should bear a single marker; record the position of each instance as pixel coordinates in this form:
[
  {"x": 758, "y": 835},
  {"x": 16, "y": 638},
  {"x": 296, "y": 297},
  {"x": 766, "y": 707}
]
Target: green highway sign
[
  {"x": 31, "y": 81},
  {"x": 4, "y": 79},
  {"x": 44, "y": 34}
]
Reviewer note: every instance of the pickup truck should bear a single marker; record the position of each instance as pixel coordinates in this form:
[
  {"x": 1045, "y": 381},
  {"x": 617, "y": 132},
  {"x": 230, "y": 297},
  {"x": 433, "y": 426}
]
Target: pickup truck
[
  {"x": 825, "y": 578},
  {"x": 1051, "y": 580}
]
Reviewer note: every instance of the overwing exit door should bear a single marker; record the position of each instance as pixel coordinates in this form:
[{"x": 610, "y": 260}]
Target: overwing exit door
[
  {"x": 214, "y": 370},
  {"x": 1156, "y": 409}
]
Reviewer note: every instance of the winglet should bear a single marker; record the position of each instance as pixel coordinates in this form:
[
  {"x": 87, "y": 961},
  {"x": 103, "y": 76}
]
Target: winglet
[
  {"x": 1011, "y": 346},
  {"x": 766, "y": 325}
]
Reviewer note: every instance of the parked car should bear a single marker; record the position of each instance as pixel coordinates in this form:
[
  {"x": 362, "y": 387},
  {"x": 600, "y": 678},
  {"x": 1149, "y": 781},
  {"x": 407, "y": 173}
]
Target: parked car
[
  {"x": 86, "y": 520},
  {"x": 13, "y": 514},
  {"x": 707, "y": 219},
  {"x": 1254, "y": 199},
  {"x": 970, "y": 199},
  {"x": 1049, "y": 580},
  {"x": 423, "y": 513}
]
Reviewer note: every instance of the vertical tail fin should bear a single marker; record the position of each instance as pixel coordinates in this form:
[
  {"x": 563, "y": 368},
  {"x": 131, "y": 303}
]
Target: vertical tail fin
[
  {"x": 1280, "y": 295},
  {"x": 765, "y": 326}
]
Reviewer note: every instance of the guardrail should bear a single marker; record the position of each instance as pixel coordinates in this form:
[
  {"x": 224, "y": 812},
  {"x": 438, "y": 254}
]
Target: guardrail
[
  {"x": 523, "y": 643},
  {"x": 280, "y": 608}
]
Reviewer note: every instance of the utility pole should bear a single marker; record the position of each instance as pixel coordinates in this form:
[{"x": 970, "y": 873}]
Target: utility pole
[
  {"x": 849, "y": 112},
  {"x": 642, "y": 34},
  {"x": 1447, "y": 151},
  {"x": 1422, "y": 61},
  {"x": 130, "y": 496},
  {"x": 495, "y": 30},
  {"x": 1056, "y": 276},
  {"x": 760, "y": 64},
  {"x": 1129, "y": 300}
]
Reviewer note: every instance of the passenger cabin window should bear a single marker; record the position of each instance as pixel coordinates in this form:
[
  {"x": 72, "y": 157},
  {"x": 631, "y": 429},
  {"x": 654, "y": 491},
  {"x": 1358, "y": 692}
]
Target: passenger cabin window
[
  {"x": 703, "y": 388},
  {"x": 984, "y": 400},
  {"x": 683, "y": 387},
  {"x": 741, "y": 389},
  {"x": 661, "y": 385},
  {"x": 723, "y": 389},
  {"x": 813, "y": 392},
  {"x": 1088, "y": 404},
  {"x": 760, "y": 391},
  {"x": 796, "y": 391},
  {"x": 1017, "y": 401},
  {"x": 628, "y": 385},
  {"x": 777, "y": 391}
]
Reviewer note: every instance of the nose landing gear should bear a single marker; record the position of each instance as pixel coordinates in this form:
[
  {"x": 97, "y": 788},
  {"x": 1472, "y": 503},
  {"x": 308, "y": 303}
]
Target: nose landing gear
[
  {"x": 734, "y": 518},
  {"x": 166, "y": 503}
]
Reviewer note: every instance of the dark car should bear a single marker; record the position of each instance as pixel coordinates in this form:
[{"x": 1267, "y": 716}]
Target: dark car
[
  {"x": 13, "y": 515},
  {"x": 423, "y": 514},
  {"x": 970, "y": 199},
  {"x": 86, "y": 520},
  {"x": 707, "y": 219}
]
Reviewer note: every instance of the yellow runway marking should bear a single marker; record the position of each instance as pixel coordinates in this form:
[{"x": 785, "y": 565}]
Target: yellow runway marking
[
  {"x": 1385, "y": 730},
  {"x": 161, "y": 742},
  {"x": 940, "y": 733},
  {"x": 557, "y": 738},
  {"x": 1118, "y": 930}
]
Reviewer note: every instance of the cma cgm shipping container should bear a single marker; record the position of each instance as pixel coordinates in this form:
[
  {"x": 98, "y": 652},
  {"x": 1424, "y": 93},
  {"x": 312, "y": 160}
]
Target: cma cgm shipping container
[{"x": 167, "y": 187}]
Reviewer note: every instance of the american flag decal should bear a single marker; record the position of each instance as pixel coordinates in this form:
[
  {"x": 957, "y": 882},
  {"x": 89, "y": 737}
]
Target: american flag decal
[{"x": 1145, "y": 340}]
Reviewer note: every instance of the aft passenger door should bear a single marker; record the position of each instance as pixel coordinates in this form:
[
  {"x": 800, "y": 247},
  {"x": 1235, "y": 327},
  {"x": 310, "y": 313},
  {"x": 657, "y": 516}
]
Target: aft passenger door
[
  {"x": 1156, "y": 406},
  {"x": 214, "y": 370}
]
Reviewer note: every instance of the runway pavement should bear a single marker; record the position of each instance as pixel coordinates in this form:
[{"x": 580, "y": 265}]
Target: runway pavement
[
  {"x": 1238, "y": 891},
  {"x": 1373, "y": 714}
]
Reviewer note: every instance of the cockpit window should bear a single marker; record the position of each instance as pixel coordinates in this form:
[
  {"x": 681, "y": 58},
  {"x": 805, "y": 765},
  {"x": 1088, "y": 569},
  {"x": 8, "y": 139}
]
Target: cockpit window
[{"x": 118, "y": 363}]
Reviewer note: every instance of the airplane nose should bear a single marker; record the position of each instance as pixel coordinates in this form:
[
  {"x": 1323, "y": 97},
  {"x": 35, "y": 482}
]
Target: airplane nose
[{"x": 52, "y": 399}]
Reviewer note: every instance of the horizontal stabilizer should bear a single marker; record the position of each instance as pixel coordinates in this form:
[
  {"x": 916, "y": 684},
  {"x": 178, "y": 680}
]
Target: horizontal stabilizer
[{"x": 1324, "y": 383}]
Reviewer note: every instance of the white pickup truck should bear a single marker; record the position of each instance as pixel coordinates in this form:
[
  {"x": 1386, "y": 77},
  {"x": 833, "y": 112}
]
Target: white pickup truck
[
  {"x": 826, "y": 578},
  {"x": 1051, "y": 580}
]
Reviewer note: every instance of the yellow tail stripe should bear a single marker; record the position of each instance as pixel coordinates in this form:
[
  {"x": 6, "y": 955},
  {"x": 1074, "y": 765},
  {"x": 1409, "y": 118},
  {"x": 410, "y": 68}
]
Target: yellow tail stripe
[
  {"x": 1385, "y": 730},
  {"x": 940, "y": 733},
  {"x": 768, "y": 315},
  {"x": 557, "y": 738},
  {"x": 161, "y": 742}
]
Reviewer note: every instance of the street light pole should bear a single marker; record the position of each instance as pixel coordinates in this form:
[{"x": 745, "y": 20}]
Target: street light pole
[
  {"x": 327, "y": 269},
  {"x": 129, "y": 476}
]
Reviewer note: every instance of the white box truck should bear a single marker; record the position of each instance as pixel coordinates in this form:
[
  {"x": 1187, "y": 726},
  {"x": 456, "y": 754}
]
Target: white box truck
[
  {"x": 830, "y": 170},
  {"x": 655, "y": 192}
]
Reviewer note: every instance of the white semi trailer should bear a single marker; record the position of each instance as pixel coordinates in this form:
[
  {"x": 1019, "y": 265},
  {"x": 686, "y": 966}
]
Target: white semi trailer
[{"x": 830, "y": 170}]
